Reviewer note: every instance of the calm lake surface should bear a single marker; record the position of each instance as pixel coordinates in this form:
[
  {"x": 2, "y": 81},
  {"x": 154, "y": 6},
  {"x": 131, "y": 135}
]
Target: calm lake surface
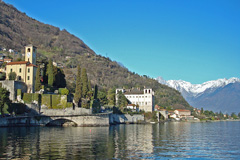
[{"x": 174, "y": 140}]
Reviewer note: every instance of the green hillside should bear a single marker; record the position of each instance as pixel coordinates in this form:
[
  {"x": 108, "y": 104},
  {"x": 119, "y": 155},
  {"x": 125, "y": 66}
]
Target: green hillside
[{"x": 18, "y": 30}]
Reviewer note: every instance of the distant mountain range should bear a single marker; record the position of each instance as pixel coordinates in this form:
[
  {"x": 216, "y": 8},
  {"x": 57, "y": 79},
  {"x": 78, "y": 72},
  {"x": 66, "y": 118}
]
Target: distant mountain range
[{"x": 217, "y": 95}]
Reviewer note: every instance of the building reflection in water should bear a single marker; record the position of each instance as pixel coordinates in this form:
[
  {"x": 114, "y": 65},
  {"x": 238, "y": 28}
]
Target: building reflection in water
[
  {"x": 168, "y": 140},
  {"x": 132, "y": 140},
  {"x": 118, "y": 141}
]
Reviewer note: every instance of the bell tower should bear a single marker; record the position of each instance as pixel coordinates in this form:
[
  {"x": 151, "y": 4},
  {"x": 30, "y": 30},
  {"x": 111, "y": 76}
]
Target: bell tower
[{"x": 30, "y": 54}]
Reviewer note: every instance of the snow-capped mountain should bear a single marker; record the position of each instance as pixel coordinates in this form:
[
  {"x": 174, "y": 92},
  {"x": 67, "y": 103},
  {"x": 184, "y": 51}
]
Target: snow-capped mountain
[{"x": 199, "y": 95}]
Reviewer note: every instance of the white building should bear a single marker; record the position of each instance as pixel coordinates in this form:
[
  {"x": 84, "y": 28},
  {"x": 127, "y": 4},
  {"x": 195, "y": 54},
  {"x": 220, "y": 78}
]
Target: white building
[{"x": 143, "y": 98}]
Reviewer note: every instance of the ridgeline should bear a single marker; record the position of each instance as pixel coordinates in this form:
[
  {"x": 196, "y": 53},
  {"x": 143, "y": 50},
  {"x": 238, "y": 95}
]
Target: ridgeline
[{"x": 18, "y": 30}]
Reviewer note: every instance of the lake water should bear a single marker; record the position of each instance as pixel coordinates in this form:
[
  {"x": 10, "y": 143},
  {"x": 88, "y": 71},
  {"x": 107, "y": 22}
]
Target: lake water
[{"x": 212, "y": 140}]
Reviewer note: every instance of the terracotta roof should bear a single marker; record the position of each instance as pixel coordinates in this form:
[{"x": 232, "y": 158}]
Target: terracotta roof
[
  {"x": 31, "y": 65},
  {"x": 183, "y": 110},
  {"x": 20, "y": 62}
]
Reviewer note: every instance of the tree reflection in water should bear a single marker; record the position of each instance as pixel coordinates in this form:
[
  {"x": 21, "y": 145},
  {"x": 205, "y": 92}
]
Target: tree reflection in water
[{"x": 169, "y": 140}]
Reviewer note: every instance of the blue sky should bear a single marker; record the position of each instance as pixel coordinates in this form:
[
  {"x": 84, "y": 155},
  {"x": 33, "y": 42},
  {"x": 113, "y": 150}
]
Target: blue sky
[{"x": 192, "y": 40}]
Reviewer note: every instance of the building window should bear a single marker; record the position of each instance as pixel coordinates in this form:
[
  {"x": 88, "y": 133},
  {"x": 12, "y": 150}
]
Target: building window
[
  {"x": 20, "y": 70},
  {"x": 146, "y": 103},
  {"x": 136, "y": 96},
  {"x": 19, "y": 78},
  {"x": 28, "y": 59},
  {"x": 28, "y": 78},
  {"x": 28, "y": 70},
  {"x": 11, "y": 70},
  {"x": 29, "y": 50}
]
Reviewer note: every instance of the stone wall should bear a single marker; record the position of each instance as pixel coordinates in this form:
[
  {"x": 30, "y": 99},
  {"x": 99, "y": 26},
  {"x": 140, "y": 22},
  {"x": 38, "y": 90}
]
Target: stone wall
[
  {"x": 58, "y": 112},
  {"x": 125, "y": 118},
  {"x": 12, "y": 87},
  {"x": 66, "y": 111},
  {"x": 80, "y": 120},
  {"x": 164, "y": 114}
]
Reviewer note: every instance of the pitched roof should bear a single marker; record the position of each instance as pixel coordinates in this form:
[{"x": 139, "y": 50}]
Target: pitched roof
[
  {"x": 31, "y": 65},
  {"x": 7, "y": 59},
  {"x": 20, "y": 62},
  {"x": 183, "y": 110}
]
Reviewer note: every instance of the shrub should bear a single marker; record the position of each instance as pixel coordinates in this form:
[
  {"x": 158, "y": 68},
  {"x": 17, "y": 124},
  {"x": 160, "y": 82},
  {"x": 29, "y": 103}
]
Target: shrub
[
  {"x": 19, "y": 92},
  {"x": 96, "y": 107},
  {"x": 36, "y": 97},
  {"x": 63, "y": 91},
  {"x": 47, "y": 100},
  {"x": 12, "y": 76},
  {"x": 18, "y": 108},
  {"x": 2, "y": 76},
  {"x": 63, "y": 101},
  {"x": 56, "y": 101},
  {"x": 85, "y": 103},
  {"x": 69, "y": 104},
  {"x": 59, "y": 102},
  {"x": 27, "y": 97},
  {"x": 151, "y": 116}
]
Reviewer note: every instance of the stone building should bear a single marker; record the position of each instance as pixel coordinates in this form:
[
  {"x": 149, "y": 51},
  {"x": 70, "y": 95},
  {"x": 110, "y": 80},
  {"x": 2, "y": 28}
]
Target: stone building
[
  {"x": 25, "y": 70},
  {"x": 143, "y": 98},
  {"x": 182, "y": 113}
]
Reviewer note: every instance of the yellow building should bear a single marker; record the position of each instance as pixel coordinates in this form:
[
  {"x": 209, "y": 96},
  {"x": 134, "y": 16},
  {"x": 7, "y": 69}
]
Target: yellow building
[{"x": 25, "y": 70}]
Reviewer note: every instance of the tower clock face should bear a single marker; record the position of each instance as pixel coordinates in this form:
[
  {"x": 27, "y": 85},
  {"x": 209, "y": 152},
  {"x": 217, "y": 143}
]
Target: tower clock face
[{"x": 28, "y": 54}]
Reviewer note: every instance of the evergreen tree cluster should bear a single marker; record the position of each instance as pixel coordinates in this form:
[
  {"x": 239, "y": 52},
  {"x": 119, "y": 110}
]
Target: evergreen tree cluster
[
  {"x": 50, "y": 75},
  {"x": 83, "y": 90},
  {"x": 4, "y": 99}
]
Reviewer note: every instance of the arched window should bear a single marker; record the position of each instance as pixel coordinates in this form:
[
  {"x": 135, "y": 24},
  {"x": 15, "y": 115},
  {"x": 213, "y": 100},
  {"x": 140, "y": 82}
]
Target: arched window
[{"x": 29, "y": 50}]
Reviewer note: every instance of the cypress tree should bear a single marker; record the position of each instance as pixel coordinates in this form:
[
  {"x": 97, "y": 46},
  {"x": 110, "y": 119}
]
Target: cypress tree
[
  {"x": 78, "y": 89},
  {"x": 111, "y": 96},
  {"x": 95, "y": 91},
  {"x": 84, "y": 83},
  {"x": 50, "y": 73},
  {"x": 89, "y": 86},
  {"x": 4, "y": 98},
  {"x": 38, "y": 80}
]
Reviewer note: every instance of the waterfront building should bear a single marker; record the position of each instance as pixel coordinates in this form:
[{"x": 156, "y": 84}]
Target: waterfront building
[
  {"x": 182, "y": 113},
  {"x": 25, "y": 70},
  {"x": 142, "y": 98}
]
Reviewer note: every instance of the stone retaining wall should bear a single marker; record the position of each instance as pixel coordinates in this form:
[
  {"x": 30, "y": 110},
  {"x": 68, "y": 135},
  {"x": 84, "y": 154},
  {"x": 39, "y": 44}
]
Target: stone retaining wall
[
  {"x": 59, "y": 112},
  {"x": 125, "y": 118}
]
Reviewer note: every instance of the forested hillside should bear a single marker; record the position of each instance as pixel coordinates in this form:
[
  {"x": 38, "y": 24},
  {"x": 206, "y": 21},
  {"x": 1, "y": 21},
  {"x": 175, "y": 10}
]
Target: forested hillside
[{"x": 18, "y": 30}]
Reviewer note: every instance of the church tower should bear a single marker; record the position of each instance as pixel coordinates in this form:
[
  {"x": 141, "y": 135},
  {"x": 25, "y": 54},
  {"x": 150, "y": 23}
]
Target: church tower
[{"x": 30, "y": 54}]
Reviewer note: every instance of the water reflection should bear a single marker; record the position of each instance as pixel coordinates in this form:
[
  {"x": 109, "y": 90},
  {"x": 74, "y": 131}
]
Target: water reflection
[{"x": 169, "y": 140}]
